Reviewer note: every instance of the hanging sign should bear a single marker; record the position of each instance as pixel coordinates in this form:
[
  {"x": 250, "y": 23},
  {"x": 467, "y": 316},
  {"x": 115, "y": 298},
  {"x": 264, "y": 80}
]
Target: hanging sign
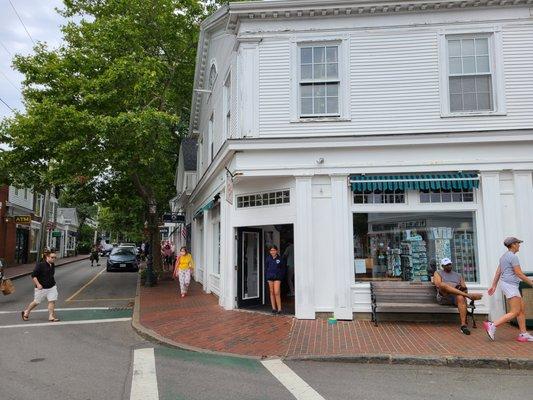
[
  {"x": 56, "y": 234},
  {"x": 174, "y": 218}
]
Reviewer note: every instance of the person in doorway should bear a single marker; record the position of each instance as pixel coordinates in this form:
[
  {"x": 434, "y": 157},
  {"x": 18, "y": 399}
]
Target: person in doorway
[
  {"x": 452, "y": 291},
  {"x": 94, "y": 257},
  {"x": 509, "y": 274},
  {"x": 288, "y": 255},
  {"x": 275, "y": 270},
  {"x": 183, "y": 270},
  {"x": 45, "y": 286}
]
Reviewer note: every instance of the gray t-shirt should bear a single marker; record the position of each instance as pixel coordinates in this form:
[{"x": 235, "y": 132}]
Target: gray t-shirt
[{"x": 507, "y": 263}]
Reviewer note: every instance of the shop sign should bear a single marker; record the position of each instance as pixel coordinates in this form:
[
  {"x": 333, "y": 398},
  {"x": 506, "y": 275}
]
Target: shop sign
[
  {"x": 23, "y": 219},
  {"x": 56, "y": 234},
  {"x": 164, "y": 230},
  {"x": 399, "y": 225},
  {"x": 174, "y": 218}
]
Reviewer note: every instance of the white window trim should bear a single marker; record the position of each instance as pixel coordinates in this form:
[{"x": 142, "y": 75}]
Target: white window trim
[
  {"x": 343, "y": 42},
  {"x": 496, "y": 60}
]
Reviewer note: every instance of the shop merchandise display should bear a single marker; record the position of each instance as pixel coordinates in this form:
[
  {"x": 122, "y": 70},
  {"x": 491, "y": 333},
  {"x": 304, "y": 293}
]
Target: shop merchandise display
[
  {"x": 394, "y": 263},
  {"x": 464, "y": 256},
  {"x": 414, "y": 258}
]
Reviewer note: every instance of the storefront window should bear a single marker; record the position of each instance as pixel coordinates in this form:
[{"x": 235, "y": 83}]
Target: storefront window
[
  {"x": 409, "y": 246},
  {"x": 379, "y": 197},
  {"x": 447, "y": 196}
]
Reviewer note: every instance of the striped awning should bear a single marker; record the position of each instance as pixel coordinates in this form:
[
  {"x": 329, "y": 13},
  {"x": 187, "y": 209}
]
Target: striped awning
[
  {"x": 457, "y": 180},
  {"x": 206, "y": 207}
]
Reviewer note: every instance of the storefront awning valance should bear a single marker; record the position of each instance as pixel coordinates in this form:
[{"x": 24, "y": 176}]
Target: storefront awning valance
[
  {"x": 206, "y": 207},
  {"x": 447, "y": 181}
]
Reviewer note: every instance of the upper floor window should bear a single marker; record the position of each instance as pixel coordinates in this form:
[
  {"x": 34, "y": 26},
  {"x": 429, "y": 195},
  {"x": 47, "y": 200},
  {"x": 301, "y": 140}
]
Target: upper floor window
[
  {"x": 470, "y": 74},
  {"x": 227, "y": 106},
  {"x": 319, "y": 81},
  {"x": 472, "y": 80},
  {"x": 379, "y": 197},
  {"x": 447, "y": 196},
  {"x": 210, "y": 138}
]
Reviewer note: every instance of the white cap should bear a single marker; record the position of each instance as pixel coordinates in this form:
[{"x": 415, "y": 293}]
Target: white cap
[{"x": 445, "y": 261}]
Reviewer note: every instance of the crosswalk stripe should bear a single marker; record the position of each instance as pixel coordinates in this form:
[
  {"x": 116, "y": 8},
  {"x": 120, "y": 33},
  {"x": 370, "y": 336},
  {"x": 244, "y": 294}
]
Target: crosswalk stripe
[
  {"x": 144, "y": 381},
  {"x": 61, "y": 323},
  {"x": 288, "y": 378}
]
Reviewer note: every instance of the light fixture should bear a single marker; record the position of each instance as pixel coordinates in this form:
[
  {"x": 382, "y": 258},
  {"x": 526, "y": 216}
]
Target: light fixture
[{"x": 320, "y": 160}]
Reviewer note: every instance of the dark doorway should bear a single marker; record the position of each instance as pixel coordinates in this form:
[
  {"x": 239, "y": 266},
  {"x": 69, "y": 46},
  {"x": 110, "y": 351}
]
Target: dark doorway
[
  {"x": 250, "y": 267},
  {"x": 21, "y": 246}
]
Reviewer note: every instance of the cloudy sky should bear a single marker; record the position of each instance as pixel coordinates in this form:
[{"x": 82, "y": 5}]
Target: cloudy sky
[{"x": 43, "y": 24}]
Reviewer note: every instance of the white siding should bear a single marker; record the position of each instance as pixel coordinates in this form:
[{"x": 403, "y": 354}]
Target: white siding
[
  {"x": 19, "y": 199},
  {"x": 394, "y": 75}
]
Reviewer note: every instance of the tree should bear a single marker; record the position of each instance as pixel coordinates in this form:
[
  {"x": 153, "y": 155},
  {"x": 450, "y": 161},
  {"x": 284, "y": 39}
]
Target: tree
[{"x": 106, "y": 111}]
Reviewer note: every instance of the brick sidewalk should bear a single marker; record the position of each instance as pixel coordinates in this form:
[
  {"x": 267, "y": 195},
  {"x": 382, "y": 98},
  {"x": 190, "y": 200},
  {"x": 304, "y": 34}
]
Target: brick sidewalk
[
  {"x": 26, "y": 269},
  {"x": 197, "y": 321}
]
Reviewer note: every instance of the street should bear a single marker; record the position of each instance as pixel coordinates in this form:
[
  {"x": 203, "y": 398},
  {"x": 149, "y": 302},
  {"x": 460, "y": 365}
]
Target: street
[{"x": 93, "y": 354}]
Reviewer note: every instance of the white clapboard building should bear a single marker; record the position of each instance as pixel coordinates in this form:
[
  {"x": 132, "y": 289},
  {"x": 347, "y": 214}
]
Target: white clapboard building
[{"x": 375, "y": 136}]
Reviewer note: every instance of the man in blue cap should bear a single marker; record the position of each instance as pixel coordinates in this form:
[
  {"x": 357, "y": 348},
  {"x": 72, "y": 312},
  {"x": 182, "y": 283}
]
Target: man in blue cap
[{"x": 452, "y": 291}]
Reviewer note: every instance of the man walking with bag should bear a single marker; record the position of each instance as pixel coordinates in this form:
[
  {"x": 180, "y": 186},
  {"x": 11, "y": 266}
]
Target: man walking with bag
[{"x": 45, "y": 286}]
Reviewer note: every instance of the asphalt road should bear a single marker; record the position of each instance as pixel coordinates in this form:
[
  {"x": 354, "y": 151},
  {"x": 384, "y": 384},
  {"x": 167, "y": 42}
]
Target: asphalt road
[{"x": 93, "y": 354}]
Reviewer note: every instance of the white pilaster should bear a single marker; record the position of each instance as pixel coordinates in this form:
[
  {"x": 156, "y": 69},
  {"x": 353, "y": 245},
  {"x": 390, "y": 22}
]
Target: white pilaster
[
  {"x": 523, "y": 184},
  {"x": 493, "y": 226},
  {"x": 227, "y": 258},
  {"x": 303, "y": 251},
  {"x": 342, "y": 256},
  {"x": 206, "y": 251}
]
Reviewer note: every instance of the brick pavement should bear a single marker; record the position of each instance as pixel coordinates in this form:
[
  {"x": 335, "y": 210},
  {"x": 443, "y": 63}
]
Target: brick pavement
[
  {"x": 198, "y": 321},
  {"x": 18, "y": 271}
]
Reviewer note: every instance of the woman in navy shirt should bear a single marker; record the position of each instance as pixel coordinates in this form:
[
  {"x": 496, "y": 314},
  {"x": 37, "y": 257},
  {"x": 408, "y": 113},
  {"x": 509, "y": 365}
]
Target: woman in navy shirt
[{"x": 275, "y": 271}]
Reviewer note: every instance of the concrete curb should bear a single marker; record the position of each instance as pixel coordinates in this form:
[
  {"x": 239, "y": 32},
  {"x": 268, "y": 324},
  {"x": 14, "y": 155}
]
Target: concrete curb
[
  {"x": 154, "y": 337},
  {"x": 442, "y": 361},
  {"x": 57, "y": 266},
  {"x": 388, "y": 359}
]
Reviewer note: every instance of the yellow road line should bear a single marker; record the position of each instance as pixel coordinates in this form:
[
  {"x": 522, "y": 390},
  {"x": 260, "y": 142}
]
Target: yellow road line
[
  {"x": 131, "y": 299},
  {"x": 84, "y": 286}
]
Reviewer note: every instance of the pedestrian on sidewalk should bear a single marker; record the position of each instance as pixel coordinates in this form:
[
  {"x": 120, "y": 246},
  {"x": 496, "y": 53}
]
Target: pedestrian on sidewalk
[
  {"x": 183, "y": 270},
  {"x": 509, "y": 274},
  {"x": 275, "y": 270},
  {"x": 452, "y": 291},
  {"x": 45, "y": 286}
]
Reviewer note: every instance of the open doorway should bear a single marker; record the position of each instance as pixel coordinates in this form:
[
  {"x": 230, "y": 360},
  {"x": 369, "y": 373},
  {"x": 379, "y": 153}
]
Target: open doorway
[{"x": 252, "y": 249}]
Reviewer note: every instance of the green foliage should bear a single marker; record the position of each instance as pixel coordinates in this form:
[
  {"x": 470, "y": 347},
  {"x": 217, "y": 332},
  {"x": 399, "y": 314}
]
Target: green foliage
[
  {"x": 85, "y": 239},
  {"x": 106, "y": 111}
]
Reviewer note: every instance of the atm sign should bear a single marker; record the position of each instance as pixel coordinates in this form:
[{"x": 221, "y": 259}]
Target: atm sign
[{"x": 23, "y": 219}]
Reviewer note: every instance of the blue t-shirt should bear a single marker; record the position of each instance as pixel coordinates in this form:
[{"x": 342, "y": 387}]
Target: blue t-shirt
[
  {"x": 274, "y": 266},
  {"x": 507, "y": 263}
]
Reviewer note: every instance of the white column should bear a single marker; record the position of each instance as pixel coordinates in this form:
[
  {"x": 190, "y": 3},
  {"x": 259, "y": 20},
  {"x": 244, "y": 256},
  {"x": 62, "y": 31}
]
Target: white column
[
  {"x": 205, "y": 251},
  {"x": 493, "y": 227},
  {"x": 227, "y": 260},
  {"x": 523, "y": 187},
  {"x": 303, "y": 251},
  {"x": 342, "y": 246}
]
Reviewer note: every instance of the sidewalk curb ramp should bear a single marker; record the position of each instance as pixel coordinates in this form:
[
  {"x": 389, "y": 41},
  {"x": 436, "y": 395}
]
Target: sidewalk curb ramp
[
  {"x": 391, "y": 359},
  {"x": 68, "y": 261}
]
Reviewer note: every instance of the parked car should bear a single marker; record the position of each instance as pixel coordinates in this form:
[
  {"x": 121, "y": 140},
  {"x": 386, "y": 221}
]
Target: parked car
[
  {"x": 106, "y": 249},
  {"x": 123, "y": 258}
]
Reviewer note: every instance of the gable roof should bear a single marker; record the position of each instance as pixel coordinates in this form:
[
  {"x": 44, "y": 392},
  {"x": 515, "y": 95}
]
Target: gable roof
[{"x": 188, "y": 152}]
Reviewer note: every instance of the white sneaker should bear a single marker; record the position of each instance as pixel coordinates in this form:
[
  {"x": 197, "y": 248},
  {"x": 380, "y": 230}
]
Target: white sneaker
[
  {"x": 490, "y": 328},
  {"x": 525, "y": 337}
]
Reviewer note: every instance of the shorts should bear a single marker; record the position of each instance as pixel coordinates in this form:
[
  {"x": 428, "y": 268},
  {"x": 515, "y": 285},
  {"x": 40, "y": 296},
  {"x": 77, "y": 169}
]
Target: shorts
[
  {"x": 447, "y": 300},
  {"x": 510, "y": 289},
  {"x": 50, "y": 294},
  {"x": 274, "y": 276}
]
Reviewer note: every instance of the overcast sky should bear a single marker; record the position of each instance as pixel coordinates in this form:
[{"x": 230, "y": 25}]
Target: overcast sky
[{"x": 43, "y": 24}]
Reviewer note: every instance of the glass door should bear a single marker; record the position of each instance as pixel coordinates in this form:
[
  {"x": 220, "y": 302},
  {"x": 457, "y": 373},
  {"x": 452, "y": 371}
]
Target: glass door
[{"x": 250, "y": 267}]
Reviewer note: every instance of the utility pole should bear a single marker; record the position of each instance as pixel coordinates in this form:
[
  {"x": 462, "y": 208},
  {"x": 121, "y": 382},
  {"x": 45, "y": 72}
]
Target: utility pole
[{"x": 44, "y": 225}]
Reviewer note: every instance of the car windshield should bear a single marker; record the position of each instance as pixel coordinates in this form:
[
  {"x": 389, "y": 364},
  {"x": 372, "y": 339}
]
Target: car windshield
[{"x": 123, "y": 251}]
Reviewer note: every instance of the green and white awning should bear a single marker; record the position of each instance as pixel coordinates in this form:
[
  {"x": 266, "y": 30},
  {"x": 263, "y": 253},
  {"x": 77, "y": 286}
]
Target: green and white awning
[
  {"x": 447, "y": 181},
  {"x": 206, "y": 207}
]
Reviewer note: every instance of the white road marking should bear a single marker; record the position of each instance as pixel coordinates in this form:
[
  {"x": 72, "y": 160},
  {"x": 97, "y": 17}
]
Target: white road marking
[
  {"x": 61, "y": 309},
  {"x": 288, "y": 378},
  {"x": 144, "y": 381},
  {"x": 61, "y": 323}
]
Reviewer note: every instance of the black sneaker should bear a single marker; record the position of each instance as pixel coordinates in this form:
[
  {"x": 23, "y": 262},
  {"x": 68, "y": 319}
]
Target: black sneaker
[
  {"x": 465, "y": 330},
  {"x": 280, "y": 312},
  {"x": 274, "y": 312}
]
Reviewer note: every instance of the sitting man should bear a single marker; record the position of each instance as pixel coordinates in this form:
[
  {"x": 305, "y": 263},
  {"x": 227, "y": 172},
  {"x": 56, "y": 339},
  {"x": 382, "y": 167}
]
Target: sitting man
[{"x": 451, "y": 290}]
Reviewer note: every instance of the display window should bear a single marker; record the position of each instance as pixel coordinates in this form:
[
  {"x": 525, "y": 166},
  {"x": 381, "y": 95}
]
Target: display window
[{"x": 409, "y": 246}]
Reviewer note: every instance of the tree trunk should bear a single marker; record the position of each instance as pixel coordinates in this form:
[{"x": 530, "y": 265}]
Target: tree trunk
[{"x": 155, "y": 245}]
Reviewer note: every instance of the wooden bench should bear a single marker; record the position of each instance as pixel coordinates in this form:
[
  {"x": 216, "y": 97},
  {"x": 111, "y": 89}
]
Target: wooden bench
[{"x": 410, "y": 297}]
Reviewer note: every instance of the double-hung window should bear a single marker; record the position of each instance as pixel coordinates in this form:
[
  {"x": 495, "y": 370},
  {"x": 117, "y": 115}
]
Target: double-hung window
[
  {"x": 319, "y": 80},
  {"x": 472, "y": 74}
]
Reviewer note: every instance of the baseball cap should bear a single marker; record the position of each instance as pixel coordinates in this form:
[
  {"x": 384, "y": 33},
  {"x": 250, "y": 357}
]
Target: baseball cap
[
  {"x": 510, "y": 240},
  {"x": 445, "y": 261}
]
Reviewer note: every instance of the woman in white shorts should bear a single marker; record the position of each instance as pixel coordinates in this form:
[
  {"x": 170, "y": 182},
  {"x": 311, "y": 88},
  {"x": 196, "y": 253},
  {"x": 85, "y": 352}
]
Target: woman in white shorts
[{"x": 509, "y": 274}]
